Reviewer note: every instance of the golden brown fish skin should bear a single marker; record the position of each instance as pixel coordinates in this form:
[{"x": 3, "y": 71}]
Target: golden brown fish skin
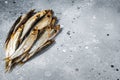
[
  {"x": 25, "y": 18},
  {"x": 39, "y": 33},
  {"x": 45, "y": 21},
  {"x": 13, "y": 43},
  {"x": 12, "y": 29},
  {"x": 12, "y": 40},
  {"x": 55, "y": 31},
  {"x": 10, "y": 63},
  {"x": 24, "y": 47},
  {"x": 28, "y": 56},
  {"x": 18, "y": 59},
  {"x": 53, "y": 22},
  {"x": 20, "y": 21},
  {"x": 52, "y": 31},
  {"x": 30, "y": 23},
  {"x": 51, "y": 36},
  {"x": 54, "y": 28},
  {"x": 41, "y": 25},
  {"x": 27, "y": 44},
  {"x": 46, "y": 32}
]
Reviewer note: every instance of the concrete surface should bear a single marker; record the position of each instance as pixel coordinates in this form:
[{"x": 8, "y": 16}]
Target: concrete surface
[{"x": 88, "y": 48}]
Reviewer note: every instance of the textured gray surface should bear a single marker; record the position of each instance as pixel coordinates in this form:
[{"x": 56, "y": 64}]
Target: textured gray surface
[{"x": 88, "y": 48}]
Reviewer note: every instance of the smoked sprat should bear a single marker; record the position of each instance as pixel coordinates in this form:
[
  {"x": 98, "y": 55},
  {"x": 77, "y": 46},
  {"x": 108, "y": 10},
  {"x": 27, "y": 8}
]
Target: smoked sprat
[{"x": 30, "y": 33}]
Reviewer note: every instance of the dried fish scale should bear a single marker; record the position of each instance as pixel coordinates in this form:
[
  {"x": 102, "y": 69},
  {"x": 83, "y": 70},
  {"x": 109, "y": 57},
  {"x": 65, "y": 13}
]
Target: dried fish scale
[{"x": 40, "y": 29}]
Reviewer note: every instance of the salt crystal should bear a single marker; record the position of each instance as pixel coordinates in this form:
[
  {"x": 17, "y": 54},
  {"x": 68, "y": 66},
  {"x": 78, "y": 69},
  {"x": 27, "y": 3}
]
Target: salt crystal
[
  {"x": 86, "y": 47},
  {"x": 6, "y": 2},
  {"x": 64, "y": 50},
  {"x": 62, "y": 25}
]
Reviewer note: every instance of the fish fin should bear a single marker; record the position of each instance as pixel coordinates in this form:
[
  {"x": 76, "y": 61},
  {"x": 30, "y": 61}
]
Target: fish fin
[
  {"x": 8, "y": 65},
  {"x": 56, "y": 31},
  {"x": 53, "y": 21}
]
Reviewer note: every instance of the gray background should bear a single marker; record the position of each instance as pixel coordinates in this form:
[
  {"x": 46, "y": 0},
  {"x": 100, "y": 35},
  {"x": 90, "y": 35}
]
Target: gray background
[{"x": 88, "y": 48}]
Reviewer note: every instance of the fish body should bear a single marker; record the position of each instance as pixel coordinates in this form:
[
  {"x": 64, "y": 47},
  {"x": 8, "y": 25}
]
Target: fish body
[
  {"x": 30, "y": 33},
  {"x": 18, "y": 23},
  {"x": 13, "y": 43},
  {"x": 29, "y": 24}
]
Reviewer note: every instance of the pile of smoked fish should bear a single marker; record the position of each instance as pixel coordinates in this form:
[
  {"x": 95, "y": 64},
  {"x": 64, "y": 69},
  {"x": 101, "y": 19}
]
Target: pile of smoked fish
[{"x": 30, "y": 33}]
